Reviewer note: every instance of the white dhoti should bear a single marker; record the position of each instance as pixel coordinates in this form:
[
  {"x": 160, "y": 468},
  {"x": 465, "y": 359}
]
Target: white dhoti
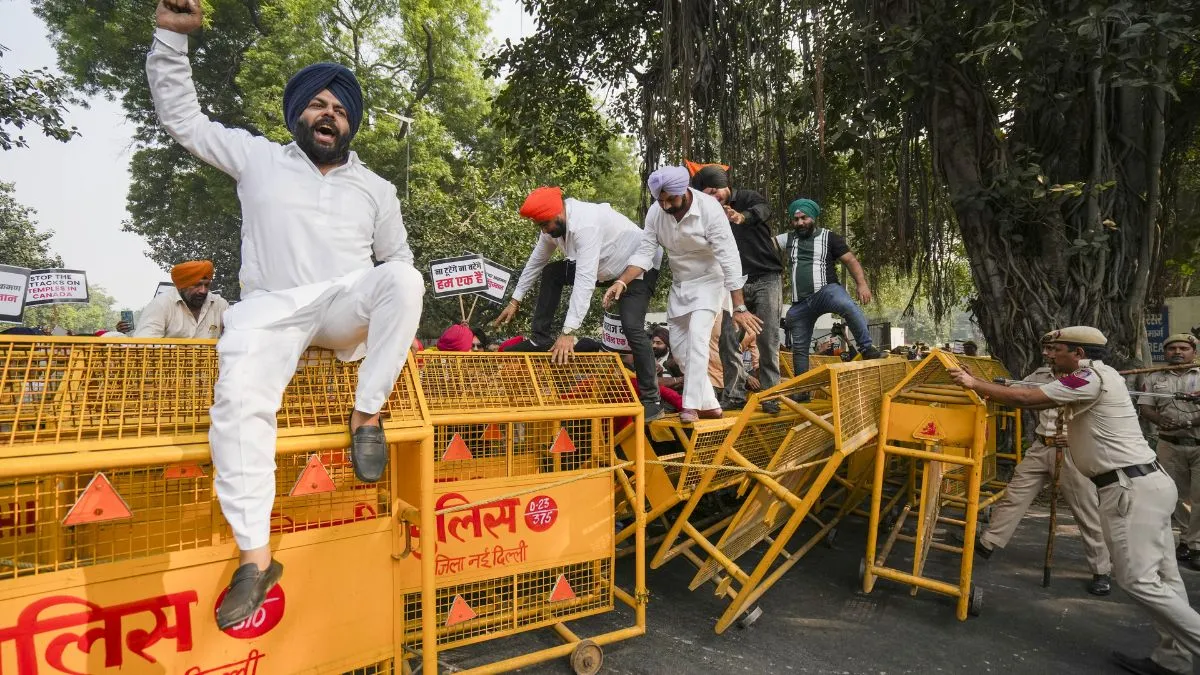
[
  {"x": 372, "y": 314},
  {"x": 689, "y": 342}
]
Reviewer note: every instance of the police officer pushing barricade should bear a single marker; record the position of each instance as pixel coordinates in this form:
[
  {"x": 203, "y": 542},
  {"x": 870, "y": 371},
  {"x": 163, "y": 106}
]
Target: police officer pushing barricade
[
  {"x": 1178, "y": 449},
  {"x": 1137, "y": 497}
]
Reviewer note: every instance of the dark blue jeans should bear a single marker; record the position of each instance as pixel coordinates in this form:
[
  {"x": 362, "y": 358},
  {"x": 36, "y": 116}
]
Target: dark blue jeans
[{"x": 801, "y": 316}]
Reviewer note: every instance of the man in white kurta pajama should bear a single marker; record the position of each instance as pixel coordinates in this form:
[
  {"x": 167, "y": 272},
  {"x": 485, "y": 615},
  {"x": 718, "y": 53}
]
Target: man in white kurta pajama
[
  {"x": 312, "y": 219},
  {"x": 693, "y": 229}
]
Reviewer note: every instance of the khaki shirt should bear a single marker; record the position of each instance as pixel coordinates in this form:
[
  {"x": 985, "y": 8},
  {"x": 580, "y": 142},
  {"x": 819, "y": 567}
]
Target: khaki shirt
[
  {"x": 1048, "y": 418},
  {"x": 168, "y": 316},
  {"x": 1105, "y": 434},
  {"x": 1174, "y": 382}
]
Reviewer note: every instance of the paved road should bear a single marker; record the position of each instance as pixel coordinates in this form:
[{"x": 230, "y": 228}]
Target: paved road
[{"x": 817, "y": 620}]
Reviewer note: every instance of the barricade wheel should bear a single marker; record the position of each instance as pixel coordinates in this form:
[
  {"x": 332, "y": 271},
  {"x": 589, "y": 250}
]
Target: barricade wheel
[
  {"x": 862, "y": 569},
  {"x": 587, "y": 659},
  {"x": 750, "y": 617},
  {"x": 831, "y": 537},
  {"x": 975, "y": 601}
]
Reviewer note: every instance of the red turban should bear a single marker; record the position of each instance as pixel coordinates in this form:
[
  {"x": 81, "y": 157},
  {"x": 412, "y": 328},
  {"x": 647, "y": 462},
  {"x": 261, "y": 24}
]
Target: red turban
[
  {"x": 187, "y": 274},
  {"x": 543, "y": 204},
  {"x": 457, "y": 338}
]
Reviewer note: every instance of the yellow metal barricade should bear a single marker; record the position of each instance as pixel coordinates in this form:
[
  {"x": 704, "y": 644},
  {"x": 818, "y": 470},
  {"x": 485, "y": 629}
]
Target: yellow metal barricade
[
  {"x": 119, "y": 554},
  {"x": 935, "y": 432},
  {"x": 520, "y": 476}
]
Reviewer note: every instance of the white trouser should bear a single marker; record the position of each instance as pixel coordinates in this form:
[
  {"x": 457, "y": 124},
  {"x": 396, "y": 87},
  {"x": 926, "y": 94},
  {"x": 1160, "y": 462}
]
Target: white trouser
[
  {"x": 1034, "y": 472},
  {"x": 1136, "y": 515},
  {"x": 382, "y": 307},
  {"x": 689, "y": 342}
]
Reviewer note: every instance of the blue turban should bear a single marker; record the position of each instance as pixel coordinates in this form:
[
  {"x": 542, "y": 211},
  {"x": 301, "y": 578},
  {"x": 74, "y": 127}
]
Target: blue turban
[
  {"x": 306, "y": 84},
  {"x": 670, "y": 179}
]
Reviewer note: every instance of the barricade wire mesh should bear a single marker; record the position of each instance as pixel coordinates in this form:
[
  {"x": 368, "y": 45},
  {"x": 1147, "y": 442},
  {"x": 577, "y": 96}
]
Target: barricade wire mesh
[{"x": 509, "y": 449}]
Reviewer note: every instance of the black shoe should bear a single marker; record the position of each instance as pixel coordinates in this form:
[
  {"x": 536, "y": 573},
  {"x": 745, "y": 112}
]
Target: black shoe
[
  {"x": 369, "y": 452},
  {"x": 1142, "y": 666},
  {"x": 1101, "y": 584},
  {"x": 247, "y": 591},
  {"x": 983, "y": 550},
  {"x": 802, "y": 397},
  {"x": 871, "y": 352},
  {"x": 733, "y": 404},
  {"x": 1183, "y": 553},
  {"x": 653, "y": 410},
  {"x": 770, "y": 407}
]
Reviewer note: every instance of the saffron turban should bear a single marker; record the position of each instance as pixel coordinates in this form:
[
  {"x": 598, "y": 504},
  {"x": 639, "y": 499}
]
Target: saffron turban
[
  {"x": 187, "y": 274},
  {"x": 544, "y": 203},
  {"x": 672, "y": 180},
  {"x": 457, "y": 338},
  {"x": 807, "y": 206},
  {"x": 306, "y": 84},
  {"x": 694, "y": 167},
  {"x": 710, "y": 176}
]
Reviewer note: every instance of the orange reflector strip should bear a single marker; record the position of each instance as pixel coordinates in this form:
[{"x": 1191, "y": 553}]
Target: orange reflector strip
[
  {"x": 562, "y": 590},
  {"x": 314, "y": 479},
  {"x": 563, "y": 442},
  {"x": 178, "y": 471},
  {"x": 456, "y": 450},
  {"x": 98, "y": 503},
  {"x": 460, "y": 611}
]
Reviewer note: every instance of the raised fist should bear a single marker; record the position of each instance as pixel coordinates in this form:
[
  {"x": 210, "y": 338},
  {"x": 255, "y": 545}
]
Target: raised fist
[{"x": 180, "y": 16}]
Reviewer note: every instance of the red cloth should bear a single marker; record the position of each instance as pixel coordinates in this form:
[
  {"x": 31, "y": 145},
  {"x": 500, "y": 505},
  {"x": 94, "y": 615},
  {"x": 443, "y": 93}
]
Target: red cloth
[
  {"x": 457, "y": 338},
  {"x": 511, "y": 342},
  {"x": 543, "y": 204},
  {"x": 188, "y": 274}
]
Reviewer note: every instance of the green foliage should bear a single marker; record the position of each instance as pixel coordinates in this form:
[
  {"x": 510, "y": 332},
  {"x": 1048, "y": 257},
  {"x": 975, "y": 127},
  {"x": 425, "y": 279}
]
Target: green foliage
[
  {"x": 33, "y": 98},
  {"x": 80, "y": 319},
  {"x": 21, "y": 244}
]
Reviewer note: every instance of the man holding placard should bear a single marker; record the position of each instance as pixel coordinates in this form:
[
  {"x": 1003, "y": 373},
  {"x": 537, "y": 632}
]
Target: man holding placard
[{"x": 597, "y": 243}]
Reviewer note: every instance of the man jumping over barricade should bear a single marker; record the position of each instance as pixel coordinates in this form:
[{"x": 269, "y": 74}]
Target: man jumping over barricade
[
  {"x": 597, "y": 242},
  {"x": 312, "y": 219}
]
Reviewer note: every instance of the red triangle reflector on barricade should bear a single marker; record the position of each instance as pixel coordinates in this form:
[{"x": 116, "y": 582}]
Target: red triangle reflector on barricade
[
  {"x": 98, "y": 502},
  {"x": 460, "y": 611},
  {"x": 928, "y": 430},
  {"x": 179, "y": 471},
  {"x": 562, "y": 590},
  {"x": 492, "y": 433},
  {"x": 314, "y": 479},
  {"x": 456, "y": 450},
  {"x": 563, "y": 442}
]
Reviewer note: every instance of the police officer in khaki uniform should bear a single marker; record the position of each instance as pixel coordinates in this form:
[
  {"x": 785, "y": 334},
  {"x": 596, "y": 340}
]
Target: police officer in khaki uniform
[
  {"x": 1136, "y": 495},
  {"x": 1178, "y": 448},
  {"x": 1033, "y": 473}
]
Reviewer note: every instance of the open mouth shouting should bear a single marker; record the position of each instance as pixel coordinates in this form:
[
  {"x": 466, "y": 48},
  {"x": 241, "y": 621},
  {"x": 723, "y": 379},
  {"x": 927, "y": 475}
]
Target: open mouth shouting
[{"x": 325, "y": 132}]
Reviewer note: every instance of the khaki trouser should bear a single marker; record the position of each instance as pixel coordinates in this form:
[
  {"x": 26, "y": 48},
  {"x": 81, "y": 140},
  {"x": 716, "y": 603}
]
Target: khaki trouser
[
  {"x": 1136, "y": 517},
  {"x": 1182, "y": 463},
  {"x": 1031, "y": 475}
]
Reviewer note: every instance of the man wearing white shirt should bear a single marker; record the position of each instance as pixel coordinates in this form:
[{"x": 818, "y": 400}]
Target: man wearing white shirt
[
  {"x": 313, "y": 220},
  {"x": 190, "y": 313},
  {"x": 597, "y": 243},
  {"x": 705, "y": 266}
]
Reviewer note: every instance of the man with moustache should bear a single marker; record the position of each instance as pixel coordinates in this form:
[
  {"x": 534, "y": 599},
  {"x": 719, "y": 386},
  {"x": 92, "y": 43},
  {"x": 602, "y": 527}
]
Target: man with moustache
[
  {"x": 596, "y": 243},
  {"x": 314, "y": 222},
  {"x": 192, "y": 312},
  {"x": 694, "y": 230},
  {"x": 1178, "y": 446}
]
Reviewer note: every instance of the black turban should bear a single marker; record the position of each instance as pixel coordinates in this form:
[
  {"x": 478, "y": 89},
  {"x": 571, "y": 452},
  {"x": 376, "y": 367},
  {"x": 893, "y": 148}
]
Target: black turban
[
  {"x": 306, "y": 84},
  {"x": 711, "y": 176}
]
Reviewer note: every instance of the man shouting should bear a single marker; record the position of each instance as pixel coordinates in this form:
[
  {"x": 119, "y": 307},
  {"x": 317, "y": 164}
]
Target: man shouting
[{"x": 313, "y": 217}]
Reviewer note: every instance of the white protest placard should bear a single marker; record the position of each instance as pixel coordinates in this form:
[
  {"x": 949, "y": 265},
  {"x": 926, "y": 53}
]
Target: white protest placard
[
  {"x": 614, "y": 334},
  {"x": 54, "y": 286},
  {"x": 498, "y": 278},
  {"x": 164, "y": 287},
  {"x": 13, "y": 282},
  {"x": 456, "y": 276}
]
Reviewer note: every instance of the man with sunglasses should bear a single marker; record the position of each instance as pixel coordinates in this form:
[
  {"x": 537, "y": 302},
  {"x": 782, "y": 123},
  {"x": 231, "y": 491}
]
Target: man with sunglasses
[
  {"x": 811, "y": 254},
  {"x": 596, "y": 243}
]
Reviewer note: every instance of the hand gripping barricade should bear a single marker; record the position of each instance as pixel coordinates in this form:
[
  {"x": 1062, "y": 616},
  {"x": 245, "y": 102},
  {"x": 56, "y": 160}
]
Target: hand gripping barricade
[
  {"x": 520, "y": 478},
  {"x": 113, "y": 551},
  {"x": 934, "y": 437},
  {"x": 1004, "y": 425},
  {"x": 114, "y": 554}
]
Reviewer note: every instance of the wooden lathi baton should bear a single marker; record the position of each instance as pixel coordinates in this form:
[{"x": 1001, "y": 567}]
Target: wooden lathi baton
[{"x": 1058, "y": 460}]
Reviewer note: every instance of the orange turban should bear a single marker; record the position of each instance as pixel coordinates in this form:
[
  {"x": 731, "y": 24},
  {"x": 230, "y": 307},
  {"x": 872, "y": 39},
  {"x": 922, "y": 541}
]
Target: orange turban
[
  {"x": 543, "y": 204},
  {"x": 189, "y": 273},
  {"x": 693, "y": 167}
]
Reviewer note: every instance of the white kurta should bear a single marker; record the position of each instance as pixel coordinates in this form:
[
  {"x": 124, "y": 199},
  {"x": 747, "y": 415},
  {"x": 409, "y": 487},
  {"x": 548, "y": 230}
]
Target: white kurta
[
  {"x": 307, "y": 278},
  {"x": 600, "y": 241},
  {"x": 705, "y": 267}
]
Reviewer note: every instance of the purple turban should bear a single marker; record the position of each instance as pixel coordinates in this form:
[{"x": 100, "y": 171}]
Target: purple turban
[
  {"x": 306, "y": 84},
  {"x": 670, "y": 179}
]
